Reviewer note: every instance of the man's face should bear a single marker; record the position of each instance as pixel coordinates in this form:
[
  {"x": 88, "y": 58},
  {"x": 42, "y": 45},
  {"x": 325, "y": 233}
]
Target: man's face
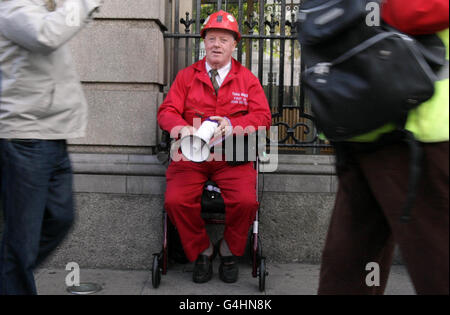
[{"x": 219, "y": 45}]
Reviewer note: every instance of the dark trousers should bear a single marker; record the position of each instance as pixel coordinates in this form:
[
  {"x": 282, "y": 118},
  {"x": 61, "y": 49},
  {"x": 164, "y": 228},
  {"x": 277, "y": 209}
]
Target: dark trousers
[
  {"x": 37, "y": 200},
  {"x": 366, "y": 225}
]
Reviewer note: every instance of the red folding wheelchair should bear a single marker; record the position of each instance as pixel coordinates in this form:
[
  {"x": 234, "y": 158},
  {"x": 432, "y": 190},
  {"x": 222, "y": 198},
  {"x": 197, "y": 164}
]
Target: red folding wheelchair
[{"x": 213, "y": 212}]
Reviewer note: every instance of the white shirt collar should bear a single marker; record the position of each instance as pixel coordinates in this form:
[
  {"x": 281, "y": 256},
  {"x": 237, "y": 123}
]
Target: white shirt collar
[{"x": 223, "y": 72}]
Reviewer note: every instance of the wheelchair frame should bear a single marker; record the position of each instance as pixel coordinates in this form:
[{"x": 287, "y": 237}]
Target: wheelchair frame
[{"x": 161, "y": 259}]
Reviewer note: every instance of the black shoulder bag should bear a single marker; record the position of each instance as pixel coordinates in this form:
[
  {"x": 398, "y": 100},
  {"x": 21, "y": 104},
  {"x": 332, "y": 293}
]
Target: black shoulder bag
[{"x": 361, "y": 77}]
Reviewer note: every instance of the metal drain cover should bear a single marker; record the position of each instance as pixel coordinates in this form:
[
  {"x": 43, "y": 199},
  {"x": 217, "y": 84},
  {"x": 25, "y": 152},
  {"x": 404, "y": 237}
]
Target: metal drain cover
[{"x": 84, "y": 289}]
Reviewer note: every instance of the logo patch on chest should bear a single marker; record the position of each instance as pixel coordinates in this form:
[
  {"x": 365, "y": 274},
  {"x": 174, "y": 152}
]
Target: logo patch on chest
[{"x": 240, "y": 98}]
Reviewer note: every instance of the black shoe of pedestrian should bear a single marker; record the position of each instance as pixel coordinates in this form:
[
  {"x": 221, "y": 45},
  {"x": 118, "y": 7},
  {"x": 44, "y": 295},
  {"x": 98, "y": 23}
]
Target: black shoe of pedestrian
[
  {"x": 203, "y": 269},
  {"x": 228, "y": 269}
]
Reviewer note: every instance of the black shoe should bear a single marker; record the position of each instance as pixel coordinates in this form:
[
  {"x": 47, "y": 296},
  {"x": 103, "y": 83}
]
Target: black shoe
[
  {"x": 203, "y": 270},
  {"x": 228, "y": 269}
]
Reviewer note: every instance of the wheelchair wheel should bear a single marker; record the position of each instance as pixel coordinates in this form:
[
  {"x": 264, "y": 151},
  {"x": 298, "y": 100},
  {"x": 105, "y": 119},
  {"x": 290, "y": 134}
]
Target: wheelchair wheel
[
  {"x": 255, "y": 255},
  {"x": 262, "y": 274},
  {"x": 156, "y": 271},
  {"x": 258, "y": 251}
]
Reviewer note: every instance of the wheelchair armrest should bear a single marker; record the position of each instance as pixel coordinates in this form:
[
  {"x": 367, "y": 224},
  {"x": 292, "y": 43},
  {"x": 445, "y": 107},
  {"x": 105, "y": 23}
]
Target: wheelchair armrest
[
  {"x": 163, "y": 148},
  {"x": 164, "y": 144}
]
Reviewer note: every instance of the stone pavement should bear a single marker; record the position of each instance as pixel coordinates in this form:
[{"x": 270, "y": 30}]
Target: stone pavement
[{"x": 283, "y": 279}]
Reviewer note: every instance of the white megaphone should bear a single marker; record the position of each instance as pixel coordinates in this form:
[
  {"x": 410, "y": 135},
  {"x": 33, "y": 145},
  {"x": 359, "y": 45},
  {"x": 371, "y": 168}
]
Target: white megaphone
[{"x": 196, "y": 147}]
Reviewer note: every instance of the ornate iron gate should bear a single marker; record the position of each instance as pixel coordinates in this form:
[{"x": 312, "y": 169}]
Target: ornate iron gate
[{"x": 269, "y": 48}]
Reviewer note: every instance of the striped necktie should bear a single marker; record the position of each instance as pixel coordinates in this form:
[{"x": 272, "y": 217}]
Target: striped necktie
[{"x": 214, "y": 74}]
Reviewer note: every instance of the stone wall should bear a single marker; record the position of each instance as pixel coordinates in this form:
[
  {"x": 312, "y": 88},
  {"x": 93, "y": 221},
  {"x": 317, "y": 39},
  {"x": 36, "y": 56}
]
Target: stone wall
[{"x": 120, "y": 199}]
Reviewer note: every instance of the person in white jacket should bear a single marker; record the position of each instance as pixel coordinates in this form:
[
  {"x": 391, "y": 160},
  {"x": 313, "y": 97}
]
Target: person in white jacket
[{"x": 41, "y": 106}]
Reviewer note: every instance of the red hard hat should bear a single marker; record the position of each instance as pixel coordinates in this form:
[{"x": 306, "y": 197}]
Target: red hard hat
[{"x": 221, "y": 20}]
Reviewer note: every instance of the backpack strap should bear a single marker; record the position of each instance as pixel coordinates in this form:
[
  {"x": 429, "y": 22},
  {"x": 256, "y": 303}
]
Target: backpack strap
[
  {"x": 401, "y": 134},
  {"x": 324, "y": 67},
  {"x": 363, "y": 46},
  {"x": 415, "y": 170},
  {"x": 443, "y": 73}
]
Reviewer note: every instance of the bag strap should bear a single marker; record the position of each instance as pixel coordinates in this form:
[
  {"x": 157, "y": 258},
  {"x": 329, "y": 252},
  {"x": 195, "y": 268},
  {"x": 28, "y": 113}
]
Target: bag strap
[
  {"x": 415, "y": 170},
  {"x": 443, "y": 73},
  {"x": 363, "y": 46},
  {"x": 430, "y": 46},
  {"x": 325, "y": 66},
  {"x": 401, "y": 134}
]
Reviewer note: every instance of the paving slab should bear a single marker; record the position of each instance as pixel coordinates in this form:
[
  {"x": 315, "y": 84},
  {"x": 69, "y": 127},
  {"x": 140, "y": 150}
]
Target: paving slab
[{"x": 283, "y": 279}]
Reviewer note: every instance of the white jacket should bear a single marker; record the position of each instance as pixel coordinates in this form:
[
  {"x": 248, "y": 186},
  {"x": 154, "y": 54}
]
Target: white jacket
[{"x": 40, "y": 93}]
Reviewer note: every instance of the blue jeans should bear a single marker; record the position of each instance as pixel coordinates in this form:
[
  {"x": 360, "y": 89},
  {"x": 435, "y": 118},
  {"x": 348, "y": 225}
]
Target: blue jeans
[{"x": 37, "y": 200}]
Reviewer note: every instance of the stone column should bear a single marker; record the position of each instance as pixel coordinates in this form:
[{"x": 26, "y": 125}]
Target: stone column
[{"x": 120, "y": 58}]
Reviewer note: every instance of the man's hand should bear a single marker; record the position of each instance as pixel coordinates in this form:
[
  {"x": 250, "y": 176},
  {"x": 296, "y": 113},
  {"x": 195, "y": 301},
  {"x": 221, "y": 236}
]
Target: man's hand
[
  {"x": 223, "y": 124},
  {"x": 187, "y": 131}
]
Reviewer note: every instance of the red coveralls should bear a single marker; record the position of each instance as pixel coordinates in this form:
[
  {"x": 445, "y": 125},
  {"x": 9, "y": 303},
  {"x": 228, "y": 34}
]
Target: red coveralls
[{"x": 242, "y": 100}]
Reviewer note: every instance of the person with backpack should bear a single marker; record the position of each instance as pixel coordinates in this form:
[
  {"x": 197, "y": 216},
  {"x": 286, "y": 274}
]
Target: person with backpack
[
  {"x": 41, "y": 105},
  {"x": 373, "y": 171}
]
